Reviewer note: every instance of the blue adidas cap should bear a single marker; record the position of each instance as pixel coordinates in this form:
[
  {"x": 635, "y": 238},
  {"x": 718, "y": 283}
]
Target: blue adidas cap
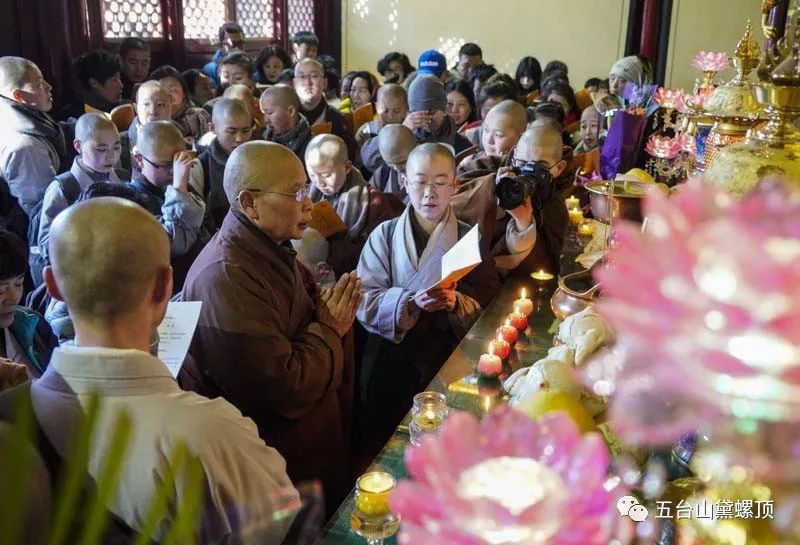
[{"x": 431, "y": 62}]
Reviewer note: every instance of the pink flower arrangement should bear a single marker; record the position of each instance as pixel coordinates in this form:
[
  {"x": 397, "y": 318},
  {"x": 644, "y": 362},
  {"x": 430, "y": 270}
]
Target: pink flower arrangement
[
  {"x": 510, "y": 480},
  {"x": 705, "y": 306},
  {"x": 674, "y": 99},
  {"x": 710, "y": 61},
  {"x": 664, "y": 147}
]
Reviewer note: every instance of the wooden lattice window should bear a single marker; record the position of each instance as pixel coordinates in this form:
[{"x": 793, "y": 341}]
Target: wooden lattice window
[
  {"x": 301, "y": 16},
  {"x": 256, "y": 18},
  {"x": 140, "y": 18}
]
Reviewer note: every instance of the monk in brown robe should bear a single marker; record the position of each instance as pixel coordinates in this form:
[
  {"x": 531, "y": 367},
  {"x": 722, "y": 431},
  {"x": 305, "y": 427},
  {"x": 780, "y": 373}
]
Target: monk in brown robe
[{"x": 268, "y": 340}]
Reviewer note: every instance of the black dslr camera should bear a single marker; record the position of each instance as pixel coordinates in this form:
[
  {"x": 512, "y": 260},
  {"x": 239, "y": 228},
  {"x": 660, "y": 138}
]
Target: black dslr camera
[{"x": 532, "y": 180}]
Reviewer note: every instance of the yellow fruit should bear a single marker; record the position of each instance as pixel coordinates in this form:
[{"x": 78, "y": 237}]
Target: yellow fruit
[
  {"x": 640, "y": 175},
  {"x": 546, "y": 401}
]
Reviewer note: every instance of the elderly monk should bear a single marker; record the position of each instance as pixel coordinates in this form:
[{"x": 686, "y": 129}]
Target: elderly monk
[
  {"x": 267, "y": 340},
  {"x": 110, "y": 264}
]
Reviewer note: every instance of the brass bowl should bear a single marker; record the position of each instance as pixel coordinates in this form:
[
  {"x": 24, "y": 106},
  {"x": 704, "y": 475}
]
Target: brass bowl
[
  {"x": 568, "y": 300},
  {"x": 617, "y": 200}
]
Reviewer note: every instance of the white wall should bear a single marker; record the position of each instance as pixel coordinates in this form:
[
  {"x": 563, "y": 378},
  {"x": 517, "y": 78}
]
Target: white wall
[
  {"x": 589, "y": 35},
  {"x": 711, "y": 25}
]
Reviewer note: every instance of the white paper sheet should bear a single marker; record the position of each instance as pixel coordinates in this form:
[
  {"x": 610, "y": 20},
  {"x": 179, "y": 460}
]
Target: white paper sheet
[
  {"x": 175, "y": 333},
  {"x": 459, "y": 260}
]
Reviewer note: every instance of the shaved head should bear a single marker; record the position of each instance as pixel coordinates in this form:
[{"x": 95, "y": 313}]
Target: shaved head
[
  {"x": 106, "y": 253},
  {"x": 391, "y": 90},
  {"x": 228, "y": 107},
  {"x": 15, "y": 73},
  {"x": 546, "y": 138},
  {"x": 282, "y": 96},
  {"x": 309, "y": 63},
  {"x": 90, "y": 124},
  {"x": 159, "y": 135},
  {"x": 326, "y": 147},
  {"x": 515, "y": 113},
  {"x": 152, "y": 88},
  {"x": 395, "y": 142},
  {"x": 263, "y": 166},
  {"x": 590, "y": 113},
  {"x": 429, "y": 152},
  {"x": 240, "y": 91}
]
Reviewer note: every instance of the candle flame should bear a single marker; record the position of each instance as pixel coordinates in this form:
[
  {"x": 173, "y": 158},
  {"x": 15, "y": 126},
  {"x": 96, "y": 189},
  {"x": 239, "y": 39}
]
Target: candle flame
[
  {"x": 508, "y": 322},
  {"x": 500, "y": 337},
  {"x": 491, "y": 348},
  {"x": 516, "y": 309},
  {"x": 522, "y": 296}
]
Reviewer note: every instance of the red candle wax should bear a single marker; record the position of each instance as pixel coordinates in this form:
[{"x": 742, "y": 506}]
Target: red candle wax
[
  {"x": 508, "y": 332},
  {"x": 518, "y": 320},
  {"x": 501, "y": 347}
]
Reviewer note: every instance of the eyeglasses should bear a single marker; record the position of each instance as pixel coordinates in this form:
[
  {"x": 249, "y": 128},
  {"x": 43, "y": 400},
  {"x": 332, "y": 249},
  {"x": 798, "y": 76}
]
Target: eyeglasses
[
  {"x": 435, "y": 186},
  {"x": 309, "y": 77},
  {"x": 162, "y": 166},
  {"x": 299, "y": 195}
]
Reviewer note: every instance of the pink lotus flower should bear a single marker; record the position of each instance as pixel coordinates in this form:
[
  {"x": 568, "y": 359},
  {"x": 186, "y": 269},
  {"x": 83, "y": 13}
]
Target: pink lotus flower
[
  {"x": 664, "y": 147},
  {"x": 674, "y": 99},
  {"x": 698, "y": 100},
  {"x": 705, "y": 306},
  {"x": 709, "y": 61},
  {"x": 510, "y": 480}
]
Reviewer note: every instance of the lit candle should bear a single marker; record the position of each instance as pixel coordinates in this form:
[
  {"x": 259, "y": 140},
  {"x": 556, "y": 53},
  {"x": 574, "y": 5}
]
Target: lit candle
[
  {"x": 508, "y": 332},
  {"x": 502, "y": 347},
  {"x": 428, "y": 420},
  {"x": 372, "y": 493},
  {"x": 524, "y": 304},
  {"x": 542, "y": 275},
  {"x": 518, "y": 320},
  {"x": 575, "y": 216},
  {"x": 586, "y": 228},
  {"x": 490, "y": 365},
  {"x": 573, "y": 202}
]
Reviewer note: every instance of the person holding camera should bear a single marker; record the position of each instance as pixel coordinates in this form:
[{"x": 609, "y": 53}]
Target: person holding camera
[{"x": 519, "y": 210}]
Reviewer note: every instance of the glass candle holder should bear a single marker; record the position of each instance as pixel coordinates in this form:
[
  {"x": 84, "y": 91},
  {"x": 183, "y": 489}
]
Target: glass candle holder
[
  {"x": 372, "y": 518},
  {"x": 427, "y": 415}
]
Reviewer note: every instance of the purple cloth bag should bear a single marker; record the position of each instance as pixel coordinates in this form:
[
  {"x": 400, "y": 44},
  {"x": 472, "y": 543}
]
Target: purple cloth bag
[{"x": 623, "y": 142}]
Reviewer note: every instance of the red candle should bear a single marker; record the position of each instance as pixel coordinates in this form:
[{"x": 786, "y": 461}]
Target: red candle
[
  {"x": 490, "y": 365},
  {"x": 518, "y": 319},
  {"x": 508, "y": 332},
  {"x": 501, "y": 347}
]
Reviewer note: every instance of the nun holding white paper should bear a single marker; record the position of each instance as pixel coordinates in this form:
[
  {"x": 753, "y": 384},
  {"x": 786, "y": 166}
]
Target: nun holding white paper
[{"x": 412, "y": 318}]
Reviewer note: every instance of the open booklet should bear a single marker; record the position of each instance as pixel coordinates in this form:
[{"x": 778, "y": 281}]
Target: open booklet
[{"x": 457, "y": 263}]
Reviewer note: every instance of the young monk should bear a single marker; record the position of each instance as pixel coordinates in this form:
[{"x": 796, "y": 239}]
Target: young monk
[
  {"x": 359, "y": 206},
  {"x": 285, "y": 124},
  {"x": 232, "y": 126},
  {"x": 98, "y": 146},
  {"x": 391, "y": 106},
  {"x": 395, "y": 143},
  {"x": 590, "y": 130},
  {"x": 153, "y": 103},
  {"x": 413, "y": 331},
  {"x": 502, "y": 128},
  {"x": 162, "y": 178}
]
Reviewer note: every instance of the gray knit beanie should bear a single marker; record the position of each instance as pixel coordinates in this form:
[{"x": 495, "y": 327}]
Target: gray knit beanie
[{"x": 427, "y": 93}]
